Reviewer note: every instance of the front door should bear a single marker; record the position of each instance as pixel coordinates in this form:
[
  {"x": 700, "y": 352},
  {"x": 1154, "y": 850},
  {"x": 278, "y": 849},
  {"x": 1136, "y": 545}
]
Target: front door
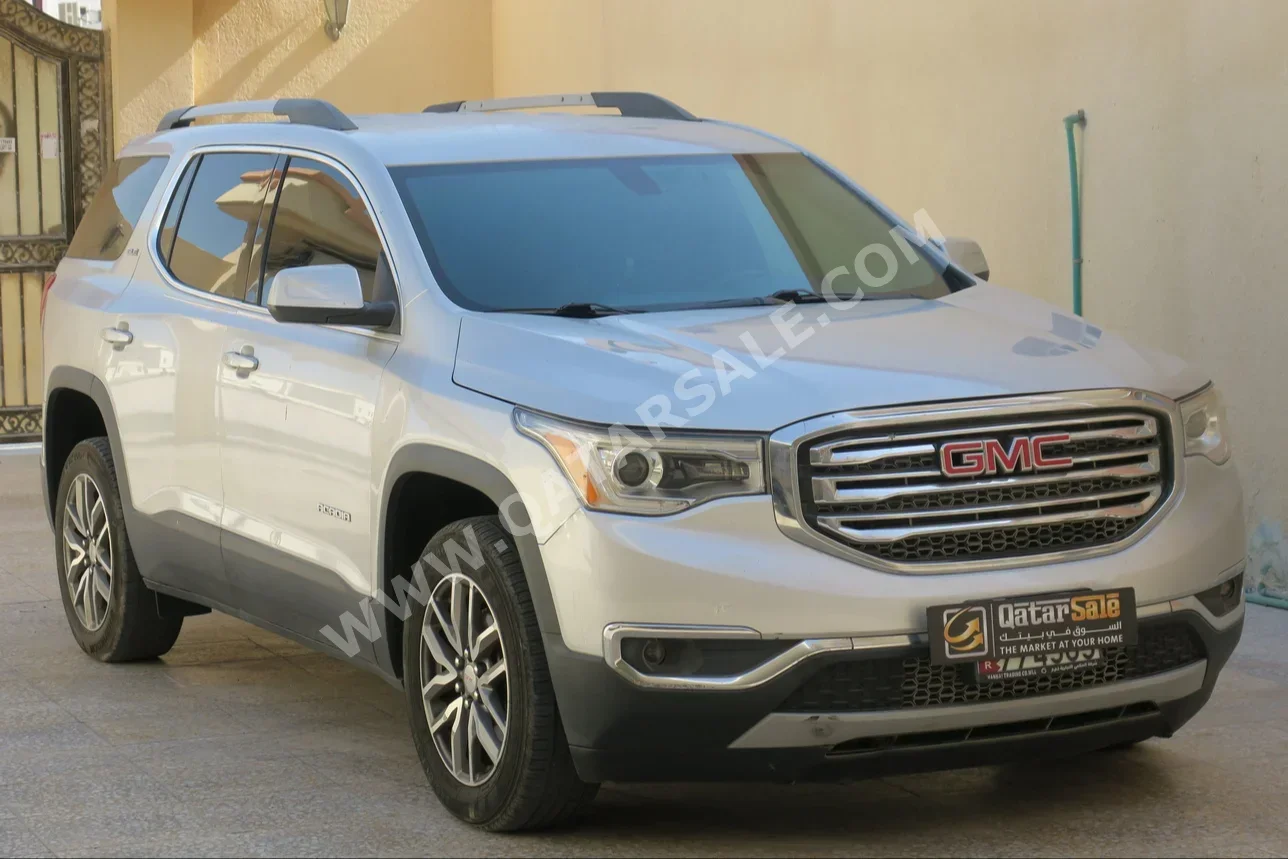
[{"x": 299, "y": 408}]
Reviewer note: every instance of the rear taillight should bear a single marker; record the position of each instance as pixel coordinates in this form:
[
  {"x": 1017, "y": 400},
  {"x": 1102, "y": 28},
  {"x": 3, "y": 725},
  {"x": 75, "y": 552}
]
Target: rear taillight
[{"x": 44, "y": 296}]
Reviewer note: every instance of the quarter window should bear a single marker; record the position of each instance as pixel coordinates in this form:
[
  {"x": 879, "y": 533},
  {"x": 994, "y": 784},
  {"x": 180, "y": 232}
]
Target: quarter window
[
  {"x": 108, "y": 224},
  {"x": 322, "y": 220},
  {"x": 165, "y": 242},
  {"x": 218, "y": 221}
]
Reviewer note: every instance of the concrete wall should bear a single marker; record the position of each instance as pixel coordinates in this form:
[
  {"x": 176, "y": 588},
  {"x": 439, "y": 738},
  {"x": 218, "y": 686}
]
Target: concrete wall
[{"x": 956, "y": 108}]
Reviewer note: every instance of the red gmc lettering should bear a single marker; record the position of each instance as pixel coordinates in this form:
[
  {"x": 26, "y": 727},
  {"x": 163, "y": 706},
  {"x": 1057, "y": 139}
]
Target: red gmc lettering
[
  {"x": 972, "y": 458},
  {"x": 997, "y": 458},
  {"x": 1041, "y": 460}
]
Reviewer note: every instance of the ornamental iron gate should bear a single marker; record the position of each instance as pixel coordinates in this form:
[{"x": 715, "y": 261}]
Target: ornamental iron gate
[{"x": 53, "y": 151}]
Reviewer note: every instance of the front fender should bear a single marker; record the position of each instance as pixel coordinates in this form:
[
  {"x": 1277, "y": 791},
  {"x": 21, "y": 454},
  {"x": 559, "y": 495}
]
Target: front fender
[{"x": 470, "y": 471}]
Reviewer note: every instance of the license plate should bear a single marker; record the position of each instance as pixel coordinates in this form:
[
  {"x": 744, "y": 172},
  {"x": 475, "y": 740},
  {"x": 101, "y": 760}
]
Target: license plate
[
  {"x": 1037, "y": 665},
  {"x": 1011, "y": 627}
]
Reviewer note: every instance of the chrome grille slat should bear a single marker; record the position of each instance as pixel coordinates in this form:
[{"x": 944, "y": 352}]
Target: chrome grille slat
[
  {"x": 1083, "y": 459},
  {"x": 838, "y": 453},
  {"x": 826, "y": 489},
  {"x": 837, "y": 525},
  {"x": 983, "y": 509},
  {"x": 827, "y": 454},
  {"x": 879, "y": 489},
  {"x": 1146, "y": 428}
]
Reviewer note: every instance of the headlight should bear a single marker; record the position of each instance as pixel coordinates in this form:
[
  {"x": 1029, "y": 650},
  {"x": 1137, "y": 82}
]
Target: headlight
[
  {"x": 618, "y": 470},
  {"x": 1204, "y": 425}
]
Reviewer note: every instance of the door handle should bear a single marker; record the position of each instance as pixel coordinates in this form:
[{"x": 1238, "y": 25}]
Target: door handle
[
  {"x": 243, "y": 361},
  {"x": 119, "y": 337}
]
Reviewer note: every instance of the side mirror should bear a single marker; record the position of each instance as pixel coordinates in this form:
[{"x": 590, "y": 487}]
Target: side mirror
[
  {"x": 967, "y": 254},
  {"x": 326, "y": 295}
]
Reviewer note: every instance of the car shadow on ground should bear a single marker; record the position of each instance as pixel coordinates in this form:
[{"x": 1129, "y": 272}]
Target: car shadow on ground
[{"x": 1111, "y": 785}]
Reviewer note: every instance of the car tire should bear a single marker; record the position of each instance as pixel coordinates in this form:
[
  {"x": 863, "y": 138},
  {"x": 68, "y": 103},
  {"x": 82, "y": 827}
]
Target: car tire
[
  {"x": 531, "y": 783},
  {"x": 112, "y": 613}
]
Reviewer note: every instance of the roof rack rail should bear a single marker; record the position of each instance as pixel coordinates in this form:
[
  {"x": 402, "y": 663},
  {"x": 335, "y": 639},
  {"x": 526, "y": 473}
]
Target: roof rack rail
[
  {"x": 644, "y": 105},
  {"x": 301, "y": 111}
]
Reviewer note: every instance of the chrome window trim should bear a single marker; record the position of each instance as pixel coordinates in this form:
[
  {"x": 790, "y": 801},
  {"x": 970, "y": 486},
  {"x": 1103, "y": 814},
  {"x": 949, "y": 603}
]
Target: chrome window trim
[
  {"x": 785, "y": 444},
  {"x": 158, "y": 223}
]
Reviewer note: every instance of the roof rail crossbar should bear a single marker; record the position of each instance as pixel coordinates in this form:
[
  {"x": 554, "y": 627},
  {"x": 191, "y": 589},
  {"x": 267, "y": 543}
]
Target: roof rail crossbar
[
  {"x": 301, "y": 111},
  {"x": 636, "y": 104}
]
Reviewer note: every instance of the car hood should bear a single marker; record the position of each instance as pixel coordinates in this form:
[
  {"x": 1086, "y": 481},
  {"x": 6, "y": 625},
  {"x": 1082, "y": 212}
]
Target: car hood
[{"x": 760, "y": 368}]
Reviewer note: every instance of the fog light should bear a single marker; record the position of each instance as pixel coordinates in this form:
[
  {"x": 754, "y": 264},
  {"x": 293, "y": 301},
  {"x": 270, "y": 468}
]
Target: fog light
[
  {"x": 653, "y": 654},
  {"x": 1225, "y": 597}
]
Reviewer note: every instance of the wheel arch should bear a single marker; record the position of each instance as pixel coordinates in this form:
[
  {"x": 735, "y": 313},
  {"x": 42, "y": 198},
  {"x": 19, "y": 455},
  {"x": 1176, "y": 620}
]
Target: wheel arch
[
  {"x": 475, "y": 488},
  {"x": 77, "y": 407}
]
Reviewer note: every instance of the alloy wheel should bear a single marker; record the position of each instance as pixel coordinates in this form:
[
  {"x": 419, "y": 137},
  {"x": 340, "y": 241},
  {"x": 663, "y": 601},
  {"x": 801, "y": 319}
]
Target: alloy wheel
[
  {"x": 87, "y": 552},
  {"x": 465, "y": 686}
]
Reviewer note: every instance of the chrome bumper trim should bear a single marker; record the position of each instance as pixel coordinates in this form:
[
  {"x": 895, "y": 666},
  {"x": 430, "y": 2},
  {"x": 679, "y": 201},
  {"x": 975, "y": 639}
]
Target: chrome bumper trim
[
  {"x": 615, "y": 633},
  {"x": 1220, "y": 624},
  {"x": 762, "y": 673},
  {"x": 797, "y": 730}
]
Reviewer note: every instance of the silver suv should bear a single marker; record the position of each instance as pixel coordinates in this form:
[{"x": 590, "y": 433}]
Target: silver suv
[{"x": 633, "y": 447}]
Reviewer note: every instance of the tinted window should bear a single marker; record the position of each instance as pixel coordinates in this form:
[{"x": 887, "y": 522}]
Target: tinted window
[
  {"x": 321, "y": 220},
  {"x": 651, "y": 233},
  {"x": 108, "y": 224},
  {"x": 165, "y": 241},
  {"x": 218, "y": 221}
]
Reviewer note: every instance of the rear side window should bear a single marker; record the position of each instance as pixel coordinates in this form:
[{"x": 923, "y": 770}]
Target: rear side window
[
  {"x": 322, "y": 220},
  {"x": 108, "y": 224},
  {"x": 217, "y": 222}
]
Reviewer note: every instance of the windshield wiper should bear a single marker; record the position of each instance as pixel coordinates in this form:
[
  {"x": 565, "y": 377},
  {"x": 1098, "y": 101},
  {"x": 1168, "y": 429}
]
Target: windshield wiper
[
  {"x": 574, "y": 310},
  {"x": 798, "y": 296},
  {"x": 587, "y": 310}
]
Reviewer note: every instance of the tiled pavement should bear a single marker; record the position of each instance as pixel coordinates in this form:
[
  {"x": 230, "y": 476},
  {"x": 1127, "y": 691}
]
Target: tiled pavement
[{"x": 239, "y": 742}]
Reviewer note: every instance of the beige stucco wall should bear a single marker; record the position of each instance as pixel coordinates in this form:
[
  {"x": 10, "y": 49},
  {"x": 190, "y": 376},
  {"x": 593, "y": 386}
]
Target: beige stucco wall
[
  {"x": 956, "y": 108},
  {"x": 150, "y": 50},
  {"x": 393, "y": 55}
]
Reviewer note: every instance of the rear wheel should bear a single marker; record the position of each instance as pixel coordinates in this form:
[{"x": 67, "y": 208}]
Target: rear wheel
[
  {"x": 480, "y": 700},
  {"x": 112, "y": 613}
]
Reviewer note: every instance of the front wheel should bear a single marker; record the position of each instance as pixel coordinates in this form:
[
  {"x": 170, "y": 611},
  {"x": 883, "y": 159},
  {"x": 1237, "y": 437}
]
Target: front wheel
[{"x": 480, "y": 700}]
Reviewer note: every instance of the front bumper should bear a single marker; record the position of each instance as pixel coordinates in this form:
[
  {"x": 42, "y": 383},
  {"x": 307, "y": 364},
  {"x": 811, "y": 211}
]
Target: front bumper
[
  {"x": 619, "y": 730},
  {"x": 727, "y": 563}
]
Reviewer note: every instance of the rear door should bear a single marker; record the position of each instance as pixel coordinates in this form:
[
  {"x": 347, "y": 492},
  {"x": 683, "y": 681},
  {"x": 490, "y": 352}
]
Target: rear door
[
  {"x": 299, "y": 514},
  {"x": 188, "y": 290}
]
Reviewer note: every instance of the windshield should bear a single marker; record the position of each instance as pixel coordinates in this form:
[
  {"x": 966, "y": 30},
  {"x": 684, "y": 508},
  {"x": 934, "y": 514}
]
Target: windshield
[{"x": 656, "y": 233}]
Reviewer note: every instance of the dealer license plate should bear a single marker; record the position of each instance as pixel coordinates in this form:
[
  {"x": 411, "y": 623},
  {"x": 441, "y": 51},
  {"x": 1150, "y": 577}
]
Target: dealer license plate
[
  {"x": 1047, "y": 624},
  {"x": 1037, "y": 665}
]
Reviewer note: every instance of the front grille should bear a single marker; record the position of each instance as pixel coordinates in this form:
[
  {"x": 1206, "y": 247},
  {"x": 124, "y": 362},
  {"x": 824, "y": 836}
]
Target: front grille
[
  {"x": 902, "y": 682},
  {"x": 884, "y": 494}
]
